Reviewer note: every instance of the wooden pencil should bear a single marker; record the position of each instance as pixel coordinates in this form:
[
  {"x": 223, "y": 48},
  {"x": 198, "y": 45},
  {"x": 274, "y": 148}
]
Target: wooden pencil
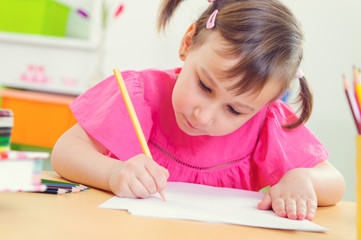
[
  {"x": 61, "y": 185},
  {"x": 69, "y": 187},
  {"x": 65, "y": 183},
  {"x": 134, "y": 118},
  {"x": 357, "y": 83},
  {"x": 56, "y": 191},
  {"x": 77, "y": 186},
  {"x": 57, "y": 182}
]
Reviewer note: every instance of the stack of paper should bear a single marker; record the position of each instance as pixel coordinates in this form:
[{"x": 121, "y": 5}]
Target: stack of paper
[
  {"x": 21, "y": 171},
  {"x": 210, "y": 204}
]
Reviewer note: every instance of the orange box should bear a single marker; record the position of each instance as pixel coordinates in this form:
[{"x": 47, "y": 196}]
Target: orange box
[{"x": 39, "y": 118}]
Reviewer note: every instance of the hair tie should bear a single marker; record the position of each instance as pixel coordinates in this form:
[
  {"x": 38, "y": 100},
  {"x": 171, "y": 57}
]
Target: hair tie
[
  {"x": 211, "y": 20},
  {"x": 299, "y": 74},
  {"x": 210, "y": 0}
]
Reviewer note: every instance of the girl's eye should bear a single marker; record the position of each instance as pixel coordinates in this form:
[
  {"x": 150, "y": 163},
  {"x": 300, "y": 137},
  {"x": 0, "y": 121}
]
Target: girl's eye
[
  {"x": 204, "y": 87},
  {"x": 233, "y": 111}
]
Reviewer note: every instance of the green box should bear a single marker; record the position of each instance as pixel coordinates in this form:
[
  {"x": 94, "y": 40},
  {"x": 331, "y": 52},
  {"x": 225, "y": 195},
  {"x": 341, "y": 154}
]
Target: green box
[{"x": 46, "y": 17}]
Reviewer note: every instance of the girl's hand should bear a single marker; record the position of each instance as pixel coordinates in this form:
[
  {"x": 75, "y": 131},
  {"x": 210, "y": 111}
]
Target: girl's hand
[
  {"x": 138, "y": 177},
  {"x": 293, "y": 197}
]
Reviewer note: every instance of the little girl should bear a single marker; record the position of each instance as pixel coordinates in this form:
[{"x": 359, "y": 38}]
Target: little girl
[{"x": 216, "y": 121}]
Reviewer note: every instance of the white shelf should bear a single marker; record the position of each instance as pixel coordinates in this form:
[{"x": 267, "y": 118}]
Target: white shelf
[
  {"x": 49, "y": 41},
  {"x": 44, "y": 88}
]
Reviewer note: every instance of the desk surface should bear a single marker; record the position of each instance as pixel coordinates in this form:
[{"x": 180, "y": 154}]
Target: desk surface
[{"x": 76, "y": 216}]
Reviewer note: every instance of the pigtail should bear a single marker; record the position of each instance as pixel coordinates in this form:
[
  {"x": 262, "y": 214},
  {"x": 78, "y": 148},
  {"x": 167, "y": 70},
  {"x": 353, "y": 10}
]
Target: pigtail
[
  {"x": 305, "y": 99},
  {"x": 165, "y": 13}
]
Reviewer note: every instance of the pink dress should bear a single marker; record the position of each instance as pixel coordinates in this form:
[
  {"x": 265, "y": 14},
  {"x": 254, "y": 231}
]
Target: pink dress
[{"x": 256, "y": 155}]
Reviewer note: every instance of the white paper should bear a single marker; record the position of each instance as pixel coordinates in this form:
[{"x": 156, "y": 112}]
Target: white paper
[
  {"x": 210, "y": 204},
  {"x": 20, "y": 175}
]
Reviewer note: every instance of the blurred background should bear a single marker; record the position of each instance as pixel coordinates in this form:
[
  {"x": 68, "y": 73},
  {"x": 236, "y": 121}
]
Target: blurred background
[{"x": 71, "y": 45}]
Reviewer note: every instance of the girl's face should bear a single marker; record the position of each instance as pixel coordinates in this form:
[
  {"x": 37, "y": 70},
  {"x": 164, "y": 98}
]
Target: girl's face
[{"x": 202, "y": 101}]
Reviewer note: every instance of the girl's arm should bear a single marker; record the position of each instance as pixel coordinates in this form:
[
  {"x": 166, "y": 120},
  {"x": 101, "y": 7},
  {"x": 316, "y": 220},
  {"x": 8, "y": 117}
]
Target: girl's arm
[
  {"x": 78, "y": 157},
  {"x": 301, "y": 190}
]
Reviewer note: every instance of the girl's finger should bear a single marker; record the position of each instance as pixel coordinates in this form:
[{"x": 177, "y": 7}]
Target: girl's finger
[
  {"x": 137, "y": 189},
  {"x": 291, "y": 207},
  {"x": 279, "y": 207},
  {"x": 148, "y": 182},
  {"x": 311, "y": 210},
  {"x": 165, "y": 171},
  {"x": 301, "y": 209},
  {"x": 266, "y": 202},
  {"x": 158, "y": 174},
  {"x": 124, "y": 191}
]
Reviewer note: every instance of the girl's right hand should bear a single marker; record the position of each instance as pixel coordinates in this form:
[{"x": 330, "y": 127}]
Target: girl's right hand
[{"x": 138, "y": 177}]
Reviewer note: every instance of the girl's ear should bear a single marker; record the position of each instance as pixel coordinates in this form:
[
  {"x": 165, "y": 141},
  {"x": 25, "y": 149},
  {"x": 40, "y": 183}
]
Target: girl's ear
[{"x": 187, "y": 41}]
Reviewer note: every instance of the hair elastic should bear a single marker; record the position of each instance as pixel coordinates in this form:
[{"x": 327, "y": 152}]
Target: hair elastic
[
  {"x": 299, "y": 74},
  {"x": 211, "y": 20}
]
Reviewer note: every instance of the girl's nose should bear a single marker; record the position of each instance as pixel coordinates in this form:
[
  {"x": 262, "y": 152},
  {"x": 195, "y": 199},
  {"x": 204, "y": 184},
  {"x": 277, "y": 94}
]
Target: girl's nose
[{"x": 204, "y": 116}]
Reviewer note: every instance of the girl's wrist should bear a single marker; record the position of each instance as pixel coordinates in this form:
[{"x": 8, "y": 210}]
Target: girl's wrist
[
  {"x": 113, "y": 174},
  {"x": 300, "y": 175}
]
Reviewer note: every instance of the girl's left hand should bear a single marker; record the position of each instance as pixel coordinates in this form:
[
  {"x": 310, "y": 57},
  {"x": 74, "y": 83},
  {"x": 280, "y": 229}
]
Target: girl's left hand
[{"x": 293, "y": 197}]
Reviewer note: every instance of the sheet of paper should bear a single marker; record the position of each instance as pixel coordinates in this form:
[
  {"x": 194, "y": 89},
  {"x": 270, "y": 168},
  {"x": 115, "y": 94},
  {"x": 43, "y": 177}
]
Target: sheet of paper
[{"x": 210, "y": 204}]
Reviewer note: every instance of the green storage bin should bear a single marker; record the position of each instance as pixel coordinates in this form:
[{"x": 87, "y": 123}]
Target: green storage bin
[{"x": 45, "y": 17}]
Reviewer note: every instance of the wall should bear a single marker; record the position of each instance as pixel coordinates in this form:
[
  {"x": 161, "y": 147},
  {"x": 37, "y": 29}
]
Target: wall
[{"x": 333, "y": 36}]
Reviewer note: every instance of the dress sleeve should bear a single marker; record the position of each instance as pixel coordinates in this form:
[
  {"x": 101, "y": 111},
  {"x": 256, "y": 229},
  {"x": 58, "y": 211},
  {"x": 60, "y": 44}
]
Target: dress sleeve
[
  {"x": 279, "y": 150},
  {"x": 102, "y": 113}
]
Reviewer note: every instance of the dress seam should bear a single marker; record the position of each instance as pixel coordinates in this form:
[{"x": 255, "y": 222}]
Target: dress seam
[{"x": 199, "y": 168}]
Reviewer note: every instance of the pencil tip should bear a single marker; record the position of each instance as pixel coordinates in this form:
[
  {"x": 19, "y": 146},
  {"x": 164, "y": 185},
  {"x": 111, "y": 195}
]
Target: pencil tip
[
  {"x": 345, "y": 83},
  {"x": 162, "y": 195}
]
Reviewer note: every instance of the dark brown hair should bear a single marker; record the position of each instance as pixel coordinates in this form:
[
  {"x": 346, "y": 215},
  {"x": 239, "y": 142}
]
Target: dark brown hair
[{"x": 264, "y": 35}]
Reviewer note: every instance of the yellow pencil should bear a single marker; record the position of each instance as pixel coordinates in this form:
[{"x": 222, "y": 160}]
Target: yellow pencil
[
  {"x": 134, "y": 118},
  {"x": 357, "y": 83}
]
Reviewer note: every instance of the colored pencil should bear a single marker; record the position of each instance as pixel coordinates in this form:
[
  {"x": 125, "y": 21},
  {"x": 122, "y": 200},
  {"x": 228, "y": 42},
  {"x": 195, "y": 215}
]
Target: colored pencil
[
  {"x": 56, "y": 191},
  {"x": 61, "y": 185},
  {"x": 43, "y": 180},
  {"x": 134, "y": 118},
  {"x": 73, "y": 188},
  {"x": 58, "y": 182},
  {"x": 47, "y": 181},
  {"x": 353, "y": 104},
  {"x": 357, "y": 83}
]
